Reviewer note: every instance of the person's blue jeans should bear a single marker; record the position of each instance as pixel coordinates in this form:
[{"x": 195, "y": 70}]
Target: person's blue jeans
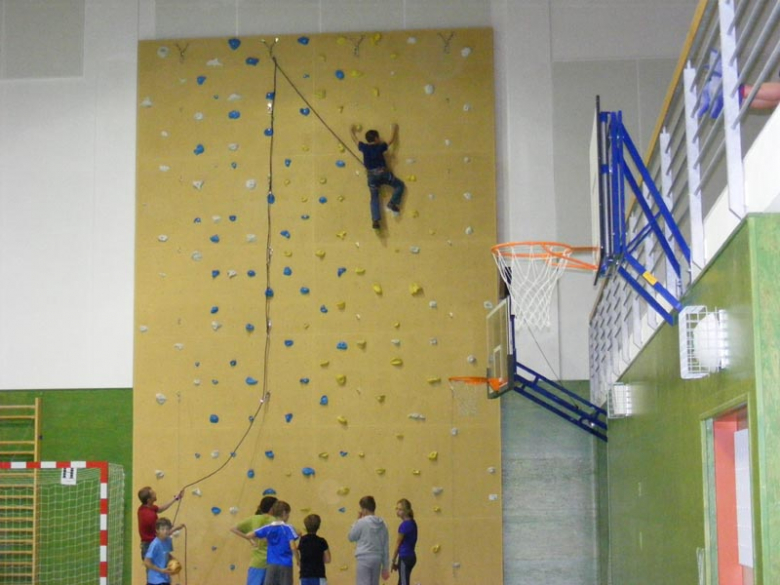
[{"x": 377, "y": 178}]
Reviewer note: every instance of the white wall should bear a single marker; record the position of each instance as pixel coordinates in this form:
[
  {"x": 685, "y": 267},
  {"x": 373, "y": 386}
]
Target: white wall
[{"x": 67, "y": 153}]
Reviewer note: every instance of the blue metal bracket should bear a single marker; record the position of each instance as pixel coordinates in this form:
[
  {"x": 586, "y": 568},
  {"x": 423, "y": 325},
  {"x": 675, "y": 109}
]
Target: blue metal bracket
[
  {"x": 618, "y": 157},
  {"x": 560, "y": 401}
]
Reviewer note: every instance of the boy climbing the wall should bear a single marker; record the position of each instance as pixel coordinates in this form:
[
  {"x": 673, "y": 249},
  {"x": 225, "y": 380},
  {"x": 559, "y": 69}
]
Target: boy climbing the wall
[{"x": 378, "y": 174}]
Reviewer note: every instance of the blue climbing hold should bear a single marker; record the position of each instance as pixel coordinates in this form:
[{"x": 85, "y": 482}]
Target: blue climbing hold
[
  {"x": 288, "y": 342},
  {"x": 339, "y": 74},
  {"x": 214, "y": 309},
  {"x": 323, "y": 309},
  {"x": 252, "y": 61},
  {"x": 197, "y": 364},
  {"x": 323, "y": 199},
  {"x": 305, "y": 111},
  {"x": 269, "y": 492},
  {"x": 324, "y": 400},
  {"x": 305, "y": 216},
  {"x": 214, "y": 273},
  {"x": 270, "y": 454},
  {"x": 303, "y": 40},
  {"x": 305, "y": 290},
  {"x": 341, "y": 164},
  {"x": 270, "y": 95},
  {"x": 340, "y": 271},
  {"x": 251, "y": 273},
  {"x": 234, "y": 165},
  {"x": 201, "y": 79},
  {"x": 287, "y": 162},
  {"x": 250, "y": 381},
  {"x": 307, "y": 471},
  {"x": 342, "y": 510},
  {"x": 214, "y": 381},
  {"x": 199, "y": 149},
  {"x": 271, "y": 199},
  {"x": 288, "y": 417},
  {"x": 214, "y": 418},
  {"x": 197, "y": 455},
  {"x": 304, "y": 380},
  {"x": 343, "y": 453},
  {"x": 196, "y": 220},
  {"x": 233, "y": 363},
  {"x": 249, "y": 327},
  {"x": 232, "y": 217},
  {"x": 287, "y": 271},
  {"x": 285, "y": 234},
  {"x": 214, "y": 238},
  {"x": 268, "y": 131},
  {"x": 234, "y": 43},
  {"x": 342, "y": 345},
  {"x": 269, "y": 292},
  {"x": 216, "y": 510},
  {"x": 234, "y": 114}
]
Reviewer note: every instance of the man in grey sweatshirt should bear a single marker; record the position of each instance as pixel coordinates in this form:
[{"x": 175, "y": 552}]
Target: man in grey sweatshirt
[{"x": 373, "y": 544}]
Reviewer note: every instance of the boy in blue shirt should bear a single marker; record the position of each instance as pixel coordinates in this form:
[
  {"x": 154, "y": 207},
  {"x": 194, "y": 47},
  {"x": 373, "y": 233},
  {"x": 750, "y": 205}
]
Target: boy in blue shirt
[
  {"x": 281, "y": 539},
  {"x": 159, "y": 554},
  {"x": 378, "y": 174}
]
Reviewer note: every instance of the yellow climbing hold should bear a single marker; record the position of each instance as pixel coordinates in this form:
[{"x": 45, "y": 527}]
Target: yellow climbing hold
[
  {"x": 411, "y": 178},
  {"x": 396, "y": 324},
  {"x": 415, "y": 213},
  {"x": 375, "y": 91},
  {"x": 360, "y": 271},
  {"x": 399, "y": 436},
  {"x": 361, "y": 454},
  {"x": 355, "y": 73},
  {"x": 435, "y": 548},
  {"x": 342, "y": 491},
  {"x": 415, "y": 288},
  {"x": 305, "y": 510},
  {"x": 434, "y": 380},
  {"x": 432, "y": 232},
  {"x": 361, "y": 343},
  {"x": 324, "y": 363},
  {"x": 341, "y": 147},
  {"x": 377, "y": 288},
  {"x": 343, "y": 567},
  {"x": 287, "y": 181},
  {"x": 320, "y": 253},
  {"x": 437, "y": 509},
  {"x": 433, "y": 455},
  {"x": 375, "y": 38},
  {"x": 342, "y": 420},
  {"x": 396, "y": 362},
  {"x": 320, "y": 94},
  {"x": 381, "y": 398},
  {"x": 341, "y": 305},
  {"x": 341, "y": 199},
  {"x": 324, "y": 455},
  {"x": 341, "y": 379},
  {"x": 341, "y": 41},
  {"x": 287, "y": 253},
  {"x": 323, "y": 180},
  {"x": 340, "y": 109},
  {"x": 341, "y": 235},
  {"x": 394, "y": 55},
  {"x": 415, "y": 472},
  {"x": 305, "y": 148},
  {"x": 380, "y": 471}
]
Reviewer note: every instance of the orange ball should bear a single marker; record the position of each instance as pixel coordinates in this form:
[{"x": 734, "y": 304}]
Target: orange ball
[{"x": 174, "y": 567}]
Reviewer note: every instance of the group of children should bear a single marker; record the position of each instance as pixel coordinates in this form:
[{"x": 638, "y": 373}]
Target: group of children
[{"x": 275, "y": 543}]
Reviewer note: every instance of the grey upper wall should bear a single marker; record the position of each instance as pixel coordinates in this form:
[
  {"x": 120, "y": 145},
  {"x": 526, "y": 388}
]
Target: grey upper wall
[{"x": 67, "y": 147}]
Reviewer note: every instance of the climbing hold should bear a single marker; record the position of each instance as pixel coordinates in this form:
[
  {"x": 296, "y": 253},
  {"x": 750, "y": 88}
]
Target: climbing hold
[
  {"x": 454, "y": 431},
  {"x": 234, "y": 43},
  {"x": 287, "y": 271},
  {"x": 360, "y": 271},
  {"x": 342, "y": 345},
  {"x": 304, "y": 380},
  {"x": 416, "y": 416},
  {"x": 433, "y": 341},
  {"x": 232, "y": 273},
  {"x": 216, "y": 325},
  {"x": 288, "y": 417},
  {"x": 215, "y": 239},
  {"x": 396, "y": 324},
  {"x": 433, "y": 455},
  {"x": 380, "y": 471},
  {"x": 491, "y": 470},
  {"x": 251, "y": 238},
  {"x": 320, "y": 254},
  {"x": 472, "y": 359},
  {"x": 341, "y": 379},
  {"x": 355, "y": 73},
  {"x": 341, "y": 235},
  {"x": 213, "y": 418},
  {"x": 361, "y": 343},
  {"x": 285, "y": 234},
  {"x": 415, "y": 472},
  {"x": 324, "y": 400},
  {"x": 429, "y": 89},
  {"x": 434, "y": 380},
  {"x": 415, "y": 289},
  {"x": 251, "y": 184},
  {"x": 250, "y": 381},
  {"x": 396, "y": 342},
  {"x": 381, "y": 398},
  {"x": 324, "y": 455},
  {"x": 437, "y": 491},
  {"x": 324, "y": 363},
  {"x": 341, "y": 305},
  {"x": 289, "y": 342},
  {"x": 178, "y": 346},
  {"x": 251, "y": 273},
  {"x": 249, "y": 327},
  {"x": 435, "y": 548},
  {"x": 303, "y": 40},
  {"x": 200, "y": 80},
  {"x": 162, "y": 238},
  {"x": 270, "y": 454},
  {"x": 199, "y": 149},
  {"x": 305, "y": 290},
  {"x": 415, "y": 249},
  {"x": 375, "y": 91},
  {"x": 305, "y": 111},
  {"x": 234, "y": 114},
  {"x": 323, "y": 309},
  {"x": 339, "y": 74},
  {"x": 340, "y": 271},
  {"x": 465, "y": 51},
  {"x": 343, "y": 453},
  {"x": 399, "y": 436},
  {"x": 307, "y": 471},
  {"x": 493, "y": 497},
  {"x": 269, "y": 492},
  {"x": 361, "y": 454},
  {"x": 377, "y": 288},
  {"x": 216, "y": 510},
  {"x": 197, "y": 492},
  {"x": 252, "y": 61},
  {"x": 233, "y": 363},
  {"x": 469, "y": 230},
  {"x": 340, "y": 164},
  {"x": 269, "y": 292},
  {"x": 268, "y": 131},
  {"x": 215, "y": 454},
  {"x": 343, "y": 491},
  {"x": 342, "y": 420}
]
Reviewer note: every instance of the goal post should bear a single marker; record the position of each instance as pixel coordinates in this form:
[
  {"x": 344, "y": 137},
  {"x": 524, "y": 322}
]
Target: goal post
[{"x": 61, "y": 522}]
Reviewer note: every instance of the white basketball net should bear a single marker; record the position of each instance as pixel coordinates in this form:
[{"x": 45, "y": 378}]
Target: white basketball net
[{"x": 531, "y": 270}]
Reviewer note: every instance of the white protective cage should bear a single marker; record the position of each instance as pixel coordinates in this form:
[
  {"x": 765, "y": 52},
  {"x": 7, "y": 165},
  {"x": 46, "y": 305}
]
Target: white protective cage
[
  {"x": 703, "y": 338},
  {"x": 619, "y": 401}
]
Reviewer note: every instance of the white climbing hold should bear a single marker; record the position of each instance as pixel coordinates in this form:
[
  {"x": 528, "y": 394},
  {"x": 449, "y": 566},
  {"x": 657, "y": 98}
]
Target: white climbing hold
[
  {"x": 454, "y": 431},
  {"x": 466, "y": 107},
  {"x": 466, "y": 159},
  {"x": 491, "y": 470},
  {"x": 147, "y": 102},
  {"x": 197, "y": 185},
  {"x": 488, "y": 305},
  {"x": 429, "y": 89},
  {"x": 214, "y": 63},
  {"x": 396, "y": 342},
  {"x": 216, "y": 325},
  {"x": 215, "y": 454},
  {"x": 161, "y": 398},
  {"x": 231, "y": 273},
  {"x": 233, "y": 146},
  {"x": 197, "y": 492},
  {"x": 143, "y": 328},
  {"x": 159, "y": 474},
  {"x": 493, "y": 497},
  {"x": 251, "y": 238},
  {"x": 234, "y": 97},
  {"x": 433, "y": 304},
  {"x": 197, "y": 256},
  {"x": 472, "y": 359},
  {"x": 164, "y": 168},
  {"x": 465, "y": 51},
  {"x": 234, "y": 510},
  {"x": 251, "y": 184},
  {"x": 216, "y": 218},
  {"x": 416, "y": 416},
  {"x": 162, "y": 238},
  {"x": 469, "y": 230},
  {"x": 447, "y": 142},
  {"x": 411, "y": 40},
  {"x": 414, "y": 249},
  {"x": 162, "y": 52},
  {"x": 198, "y": 116},
  {"x": 178, "y": 346},
  {"x": 433, "y": 341},
  {"x": 467, "y": 196},
  {"x": 437, "y": 491},
  {"x": 196, "y": 381}
]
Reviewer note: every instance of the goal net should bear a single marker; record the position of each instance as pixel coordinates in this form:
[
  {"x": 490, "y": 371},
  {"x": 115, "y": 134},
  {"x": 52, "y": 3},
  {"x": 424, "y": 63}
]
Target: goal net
[{"x": 61, "y": 522}]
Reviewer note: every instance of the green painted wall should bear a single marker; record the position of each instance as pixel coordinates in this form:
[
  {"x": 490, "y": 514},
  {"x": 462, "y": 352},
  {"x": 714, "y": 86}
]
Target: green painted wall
[
  {"x": 88, "y": 425},
  {"x": 654, "y": 474}
]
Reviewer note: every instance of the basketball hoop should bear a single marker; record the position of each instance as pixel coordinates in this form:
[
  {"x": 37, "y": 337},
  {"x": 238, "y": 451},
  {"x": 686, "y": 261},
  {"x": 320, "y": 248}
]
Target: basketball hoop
[
  {"x": 466, "y": 392},
  {"x": 531, "y": 270}
]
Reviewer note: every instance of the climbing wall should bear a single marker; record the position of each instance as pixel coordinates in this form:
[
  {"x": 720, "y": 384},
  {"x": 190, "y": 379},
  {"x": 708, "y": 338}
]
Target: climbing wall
[{"x": 283, "y": 345}]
